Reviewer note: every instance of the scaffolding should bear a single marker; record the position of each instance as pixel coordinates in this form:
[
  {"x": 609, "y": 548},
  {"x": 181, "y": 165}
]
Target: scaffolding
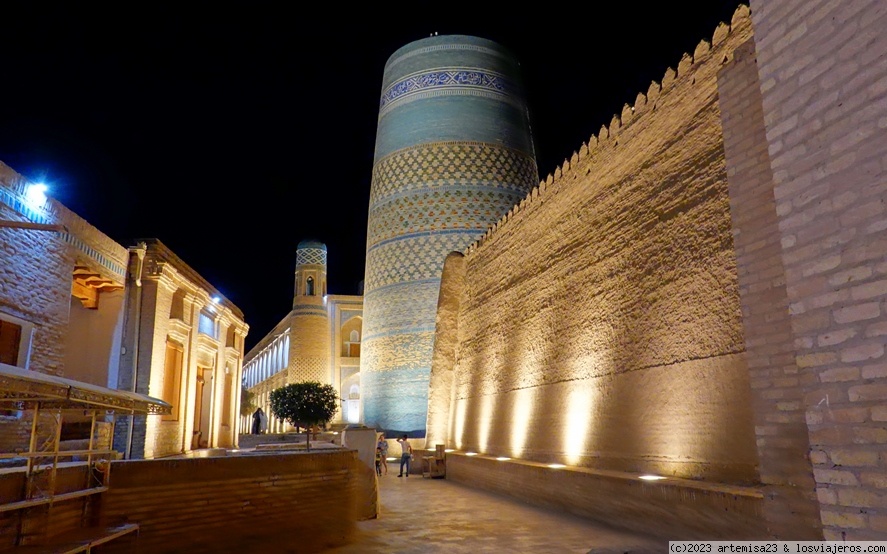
[{"x": 44, "y": 477}]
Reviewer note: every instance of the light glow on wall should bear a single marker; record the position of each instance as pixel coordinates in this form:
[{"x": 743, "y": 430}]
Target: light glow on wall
[
  {"x": 522, "y": 414},
  {"x": 579, "y": 414},
  {"x": 651, "y": 477},
  {"x": 556, "y": 466},
  {"x": 461, "y": 407},
  {"x": 485, "y": 421},
  {"x": 503, "y": 458},
  {"x": 471, "y": 453}
]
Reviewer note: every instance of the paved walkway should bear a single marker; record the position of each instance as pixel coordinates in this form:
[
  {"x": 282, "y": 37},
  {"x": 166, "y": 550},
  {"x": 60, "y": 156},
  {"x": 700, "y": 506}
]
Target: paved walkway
[{"x": 420, "y": 515}]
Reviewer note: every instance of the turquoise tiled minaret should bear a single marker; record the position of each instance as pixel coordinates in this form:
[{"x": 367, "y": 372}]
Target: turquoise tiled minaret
[{"x": 453, "y": 154}]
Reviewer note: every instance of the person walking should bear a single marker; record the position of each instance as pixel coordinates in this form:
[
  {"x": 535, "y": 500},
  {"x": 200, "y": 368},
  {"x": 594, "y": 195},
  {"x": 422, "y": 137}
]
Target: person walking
[
  {"x": 406, "y": 454},
  {"x": 382, "y": 445}
]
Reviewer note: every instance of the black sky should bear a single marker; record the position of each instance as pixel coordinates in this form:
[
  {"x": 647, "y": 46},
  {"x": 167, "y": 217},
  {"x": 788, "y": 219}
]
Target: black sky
[{"x": 232, "y": 131}]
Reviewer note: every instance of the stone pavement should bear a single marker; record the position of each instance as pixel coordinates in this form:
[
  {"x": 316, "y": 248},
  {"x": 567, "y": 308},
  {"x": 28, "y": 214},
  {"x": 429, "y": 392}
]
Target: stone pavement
[{"x": 421, "y": 515}]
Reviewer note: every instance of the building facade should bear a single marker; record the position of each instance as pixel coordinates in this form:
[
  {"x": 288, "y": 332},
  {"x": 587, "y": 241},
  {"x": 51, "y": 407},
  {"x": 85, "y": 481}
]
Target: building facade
[
  {"x": 73, "y": 304},
  {"x": 318, "y": 340},
  {"x": 184, "y": 342}
]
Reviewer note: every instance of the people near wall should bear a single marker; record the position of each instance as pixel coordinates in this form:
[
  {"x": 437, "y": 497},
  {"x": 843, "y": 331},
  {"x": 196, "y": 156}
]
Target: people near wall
[
  {"x": 406, "y": 456},
  {"x": 263, "y": 422},
  {"x": 382, "y": 445},
  {"x": 260, "y": 422},
  {"x": 379, "y": 459}
]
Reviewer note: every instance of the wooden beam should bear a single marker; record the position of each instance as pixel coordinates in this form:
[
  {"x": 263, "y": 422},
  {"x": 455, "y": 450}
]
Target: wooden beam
[
  {"x": 33, "y": 226},
  {"x": 88, "y": 296}
]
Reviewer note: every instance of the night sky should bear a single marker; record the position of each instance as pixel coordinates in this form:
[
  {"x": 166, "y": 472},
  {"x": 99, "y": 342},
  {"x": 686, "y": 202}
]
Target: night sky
[{"x": 233, "y": 131}]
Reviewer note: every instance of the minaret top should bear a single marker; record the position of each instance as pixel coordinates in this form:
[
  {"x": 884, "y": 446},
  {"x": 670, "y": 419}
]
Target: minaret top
[{"x": 311, "y": 252}]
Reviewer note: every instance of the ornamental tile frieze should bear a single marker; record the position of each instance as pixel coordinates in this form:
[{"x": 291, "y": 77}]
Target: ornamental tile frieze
[{"x": 469, "y": 80}]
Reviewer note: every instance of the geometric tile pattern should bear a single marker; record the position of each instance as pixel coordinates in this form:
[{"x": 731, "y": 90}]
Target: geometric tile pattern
[
  {"x": 402, "y": 308},
  {"x": 309, "y": 369},
  {"x": 394, "y": 401},
  {"x": 411, "y": 258},
  {"x": 450, "y": 166},
  {"x": 439, "y": 209},
  {"x": 315, "y": 256}
]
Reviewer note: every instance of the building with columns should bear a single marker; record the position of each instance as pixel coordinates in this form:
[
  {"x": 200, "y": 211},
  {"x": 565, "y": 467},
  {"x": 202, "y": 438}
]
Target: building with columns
[
  {"x": 77, "y": 305},
  {"x": 318, "y": 340},
  {"x": 184, "y": 342}
]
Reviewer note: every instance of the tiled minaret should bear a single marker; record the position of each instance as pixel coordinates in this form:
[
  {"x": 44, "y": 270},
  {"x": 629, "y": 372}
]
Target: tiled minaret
[
  {"x": 309, "y": 323},
  {"x": 453, "y": 154}
]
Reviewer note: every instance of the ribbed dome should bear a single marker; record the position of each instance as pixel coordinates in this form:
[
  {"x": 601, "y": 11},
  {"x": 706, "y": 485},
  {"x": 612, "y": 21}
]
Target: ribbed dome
[{"x": 311, "y": 244}]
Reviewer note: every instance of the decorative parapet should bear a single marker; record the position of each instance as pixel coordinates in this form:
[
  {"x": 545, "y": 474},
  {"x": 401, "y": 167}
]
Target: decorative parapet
[{"x": 608, "y": 135}]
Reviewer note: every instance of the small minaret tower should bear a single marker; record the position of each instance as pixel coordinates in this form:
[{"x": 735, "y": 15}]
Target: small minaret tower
[{"x": 309, "y": 322}]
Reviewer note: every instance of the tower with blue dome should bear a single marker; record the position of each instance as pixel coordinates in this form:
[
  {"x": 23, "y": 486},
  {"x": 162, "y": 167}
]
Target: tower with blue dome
[{"x": 453, "y": 154}]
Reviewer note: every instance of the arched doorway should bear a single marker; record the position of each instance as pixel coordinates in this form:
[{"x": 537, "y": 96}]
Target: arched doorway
[{"x": 353, "y": 411}]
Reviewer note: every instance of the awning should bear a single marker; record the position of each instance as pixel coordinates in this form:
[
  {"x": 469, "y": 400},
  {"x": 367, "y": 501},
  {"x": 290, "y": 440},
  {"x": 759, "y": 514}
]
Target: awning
[{"x": 22, "y": 385}]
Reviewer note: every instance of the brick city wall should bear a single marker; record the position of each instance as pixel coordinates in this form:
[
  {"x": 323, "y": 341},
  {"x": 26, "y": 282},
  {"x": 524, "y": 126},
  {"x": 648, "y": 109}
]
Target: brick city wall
[
  {"x": 824, "y": 95},
  {"x": 786, "y": 474},
  {"x": 237, "y": 504},
  {"x": 600, "y": 323}
]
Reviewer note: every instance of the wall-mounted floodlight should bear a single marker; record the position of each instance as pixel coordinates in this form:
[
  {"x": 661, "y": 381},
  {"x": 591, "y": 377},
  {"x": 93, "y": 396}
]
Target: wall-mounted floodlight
[
  {"x": 216, "y": 299},
  {"x": 556, "y": 466},
  {"x": 35, "y": 195},
  {"x": 471, "y": 453},
  {"x": 503, "y": 458},
  {"x": 651, "y": 477}
]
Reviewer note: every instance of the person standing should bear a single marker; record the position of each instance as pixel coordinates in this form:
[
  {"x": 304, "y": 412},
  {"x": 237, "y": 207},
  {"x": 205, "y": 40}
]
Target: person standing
[
  {"x": 382, "y": 445},
  {"x": 406, "y": 454},
  {"x": 263, "y": 422},
  {"x": 257, "y": 421},
  {"x": 378, "y": 461}
]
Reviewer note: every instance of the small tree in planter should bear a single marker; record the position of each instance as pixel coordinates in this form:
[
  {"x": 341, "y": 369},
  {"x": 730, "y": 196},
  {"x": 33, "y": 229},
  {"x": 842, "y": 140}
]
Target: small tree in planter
[{"x": 305, "y": 405}]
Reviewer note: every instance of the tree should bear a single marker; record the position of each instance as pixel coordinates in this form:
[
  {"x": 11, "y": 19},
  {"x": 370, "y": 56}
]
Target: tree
[
  {"x": 305, "y": 405},
  {"x": 247, "y": 402}
]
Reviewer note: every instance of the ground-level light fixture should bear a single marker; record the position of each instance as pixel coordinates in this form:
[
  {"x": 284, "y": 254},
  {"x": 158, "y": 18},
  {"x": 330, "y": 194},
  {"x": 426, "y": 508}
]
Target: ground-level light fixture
[{"x": 651, "y": 477}]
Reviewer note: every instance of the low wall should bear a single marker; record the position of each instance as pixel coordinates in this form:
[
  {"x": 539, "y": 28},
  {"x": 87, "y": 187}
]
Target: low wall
[
  {"x": 671, "y": 509},
  {"x": 281, "y": 502}
]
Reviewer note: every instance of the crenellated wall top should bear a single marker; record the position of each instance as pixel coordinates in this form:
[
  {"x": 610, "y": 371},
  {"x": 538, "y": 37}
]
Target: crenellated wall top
[{"x": 644, "y": 105}]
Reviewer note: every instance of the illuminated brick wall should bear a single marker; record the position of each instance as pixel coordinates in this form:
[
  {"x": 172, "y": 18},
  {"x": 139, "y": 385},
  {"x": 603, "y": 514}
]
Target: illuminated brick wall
[
  {"x": 789, "y": 504},
  {"x": 36, "y": 274},
  {"x": 824, "y": 95},
  {"x": 239, "y": 503},
  {"x": 453, "y": 153},
  {"x": 599, "y": 324}
]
